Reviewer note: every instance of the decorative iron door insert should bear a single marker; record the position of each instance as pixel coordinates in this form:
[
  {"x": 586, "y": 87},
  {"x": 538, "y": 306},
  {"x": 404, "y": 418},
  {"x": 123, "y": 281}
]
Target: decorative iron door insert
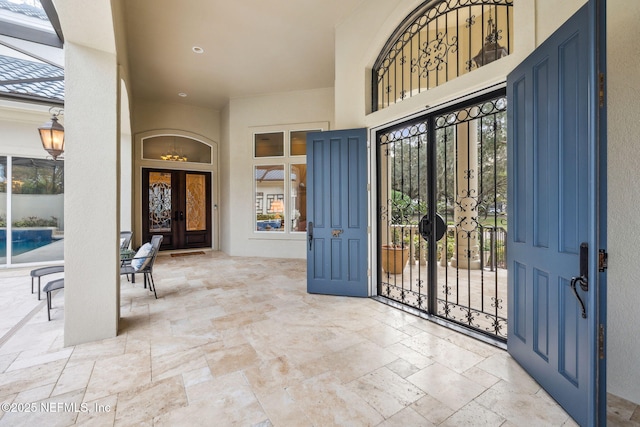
[
  {"x": 452, "y": 165},
  {"x": 177, "y": 204}
]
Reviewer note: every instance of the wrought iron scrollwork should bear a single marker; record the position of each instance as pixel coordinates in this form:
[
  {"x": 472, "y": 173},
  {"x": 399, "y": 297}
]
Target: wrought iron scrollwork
[
  {"x": 160, "y": 206},
  {"x": 469, "y": 153},
  {"x": 425, "y": 51},
  {"x": 433, "y": 55}
]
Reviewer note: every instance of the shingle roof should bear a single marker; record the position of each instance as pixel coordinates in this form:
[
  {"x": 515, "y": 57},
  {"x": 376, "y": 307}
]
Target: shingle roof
[
  {"x": 12, "y": 69},
  {"x": 24, "y": 9}
]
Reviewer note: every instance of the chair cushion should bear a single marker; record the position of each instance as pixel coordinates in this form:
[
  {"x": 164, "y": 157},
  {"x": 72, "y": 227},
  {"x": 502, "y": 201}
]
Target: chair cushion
[{"x": 142, "y": 258}]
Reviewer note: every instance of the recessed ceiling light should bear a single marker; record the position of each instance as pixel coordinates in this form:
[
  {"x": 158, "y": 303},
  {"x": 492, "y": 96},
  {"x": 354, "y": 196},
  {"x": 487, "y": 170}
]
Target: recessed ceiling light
[
  {"x": 182, "y": 94},
  {"x": 197, "y": 49}
]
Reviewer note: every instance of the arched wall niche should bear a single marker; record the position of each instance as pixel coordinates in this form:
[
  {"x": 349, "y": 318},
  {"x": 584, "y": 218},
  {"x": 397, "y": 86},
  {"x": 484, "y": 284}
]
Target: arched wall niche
[{"x": 202, "y": 154}]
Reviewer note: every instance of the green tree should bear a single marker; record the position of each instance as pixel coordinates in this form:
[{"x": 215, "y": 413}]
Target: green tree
[{"x": 37, "y": 176}]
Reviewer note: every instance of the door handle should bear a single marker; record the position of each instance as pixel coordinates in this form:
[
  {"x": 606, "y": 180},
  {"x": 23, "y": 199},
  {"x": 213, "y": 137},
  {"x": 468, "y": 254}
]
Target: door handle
[
  {"x": 583, "y": 279},
  {"x": 181, "y": 216},
  {"x": 310, "y": 234}
]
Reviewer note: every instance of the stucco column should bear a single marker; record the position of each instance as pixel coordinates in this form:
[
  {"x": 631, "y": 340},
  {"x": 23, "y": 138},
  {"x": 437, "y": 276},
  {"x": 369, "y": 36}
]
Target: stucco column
[
  {"x": 466, "y": 252},
  {"x": 91, "y": 195}
]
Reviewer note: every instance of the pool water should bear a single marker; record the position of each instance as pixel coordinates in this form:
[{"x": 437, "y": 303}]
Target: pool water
[
  {"x": 25, "y": 240},
  {"x": 23, "y": 246}
]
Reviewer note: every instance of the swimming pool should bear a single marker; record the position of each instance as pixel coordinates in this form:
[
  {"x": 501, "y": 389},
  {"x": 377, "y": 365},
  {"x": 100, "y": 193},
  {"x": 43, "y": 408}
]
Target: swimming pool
[{"x": 25, "y": 240}]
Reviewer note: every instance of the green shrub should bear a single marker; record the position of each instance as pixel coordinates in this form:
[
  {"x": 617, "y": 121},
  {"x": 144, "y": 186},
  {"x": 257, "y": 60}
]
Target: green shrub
[
  {"x": 260, "y": 217},
  {"x": 34, "y": 221}
]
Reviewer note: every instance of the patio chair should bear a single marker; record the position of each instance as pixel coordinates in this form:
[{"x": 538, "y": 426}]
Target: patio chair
[
  {"x": 125, "y": 239},
  {"x": 48, "y": 289},
  {"x": 143, "y": 262},
  {"x": 43, "y": 271}
]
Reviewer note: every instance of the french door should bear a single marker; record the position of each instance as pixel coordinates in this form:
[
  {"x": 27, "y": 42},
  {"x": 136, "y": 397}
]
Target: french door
[
  {"x": 177, "y": 205},
  {"x": 442, "y": 221}
]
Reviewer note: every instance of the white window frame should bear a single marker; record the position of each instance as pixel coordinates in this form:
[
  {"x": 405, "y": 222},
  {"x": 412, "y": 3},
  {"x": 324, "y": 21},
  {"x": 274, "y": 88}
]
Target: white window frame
[{"x": 286, "y": 161}]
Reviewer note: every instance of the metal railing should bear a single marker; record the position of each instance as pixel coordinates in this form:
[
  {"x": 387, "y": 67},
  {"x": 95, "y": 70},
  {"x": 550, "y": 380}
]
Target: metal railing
[{"x": 493, "y": 244}]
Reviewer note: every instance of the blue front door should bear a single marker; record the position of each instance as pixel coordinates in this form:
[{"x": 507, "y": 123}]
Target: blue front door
[
  {"x": 554, "y": 221},
  {"x": 337, "y": 213}
]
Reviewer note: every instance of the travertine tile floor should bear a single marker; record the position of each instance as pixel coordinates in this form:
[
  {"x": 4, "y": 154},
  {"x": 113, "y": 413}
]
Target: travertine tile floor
[{"x": 238, "y": 341}]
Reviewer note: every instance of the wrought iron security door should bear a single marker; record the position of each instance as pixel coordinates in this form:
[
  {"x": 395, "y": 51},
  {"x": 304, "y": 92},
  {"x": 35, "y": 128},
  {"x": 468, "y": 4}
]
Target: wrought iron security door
[{"x": 450, "y": 164}]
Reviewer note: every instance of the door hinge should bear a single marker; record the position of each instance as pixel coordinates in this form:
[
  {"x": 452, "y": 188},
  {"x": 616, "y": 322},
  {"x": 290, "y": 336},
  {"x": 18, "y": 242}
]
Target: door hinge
[
  {"x": 368, "y": 187},
  {"x": 601, "y": 342},
  {"x": 603, "y": 260},
  {"x": 601, "y": 90},
  {"x": 368, "y": 272}
]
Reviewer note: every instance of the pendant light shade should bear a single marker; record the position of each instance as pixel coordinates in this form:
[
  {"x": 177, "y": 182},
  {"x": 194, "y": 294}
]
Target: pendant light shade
[{"x": 52, "y": 135}]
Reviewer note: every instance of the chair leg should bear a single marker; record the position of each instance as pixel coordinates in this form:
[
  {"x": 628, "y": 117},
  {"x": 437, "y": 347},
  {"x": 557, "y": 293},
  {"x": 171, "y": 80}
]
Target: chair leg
[
  {"x": 38, "y": 288},
  {"x": 32, "y": 283},
  {"x": 152, "y": 285},
  {"x": 49, "y": 306}
]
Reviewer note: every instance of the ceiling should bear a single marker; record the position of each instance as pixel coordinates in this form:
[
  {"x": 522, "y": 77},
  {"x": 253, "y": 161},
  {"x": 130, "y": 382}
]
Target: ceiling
[{"x": 251, "y": 47}]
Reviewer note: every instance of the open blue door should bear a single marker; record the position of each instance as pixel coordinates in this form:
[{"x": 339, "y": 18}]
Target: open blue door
[
  {"x": 555, "y": 225},
  {"x": 337, "y": 213}
]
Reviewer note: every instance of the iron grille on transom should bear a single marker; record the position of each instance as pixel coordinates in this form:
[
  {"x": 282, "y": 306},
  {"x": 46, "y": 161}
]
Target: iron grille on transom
[
  {"x": 439, "y": 41},
  {"x": 450, "y": 167}
]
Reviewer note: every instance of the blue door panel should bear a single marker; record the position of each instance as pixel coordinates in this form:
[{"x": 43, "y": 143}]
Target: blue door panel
[
  {"x": 318, "y": 266},
  {"x": 357, "y": 211},
  {"x": 541, "y": 313},
  {"x": 552, "y": 211},
  {"x": 569, "y": 330},
  {"x": 573, "y": 99},
  {"x": 518, "y": 171},
  {"x": 337, "y": 213},
  {"x": 315, "y": 176},
  {"x": 336, "y": 260},
  {"x": 335, "y": 198},
  {"x": 518, "y": 308},
  {"x": 542, "y": 180},
  {"x": 356, "y": 251}
]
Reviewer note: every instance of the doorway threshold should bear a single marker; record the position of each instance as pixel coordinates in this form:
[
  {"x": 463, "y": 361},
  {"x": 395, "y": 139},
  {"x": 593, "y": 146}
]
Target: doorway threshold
[
  {"x": 443, "y": 322},
  {"x": 185, "y": 252}
]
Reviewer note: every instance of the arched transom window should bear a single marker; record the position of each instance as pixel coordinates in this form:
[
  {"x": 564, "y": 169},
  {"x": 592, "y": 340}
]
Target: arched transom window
[{"x": 438, "y": 42}]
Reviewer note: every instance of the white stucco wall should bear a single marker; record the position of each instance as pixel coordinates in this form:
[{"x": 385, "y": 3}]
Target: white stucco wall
[
  {"x": 623, "y": 85},
  {"x": 126, "y": 161},
  {"x": 92, "y": 276},
  {"x": 43, "y": 206},
  {"x": 148, "y": 116},
  {"x": 92, "y": 113},
  {"x": 238, "y": 202},
  {"x": 19, "y": 123}
]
